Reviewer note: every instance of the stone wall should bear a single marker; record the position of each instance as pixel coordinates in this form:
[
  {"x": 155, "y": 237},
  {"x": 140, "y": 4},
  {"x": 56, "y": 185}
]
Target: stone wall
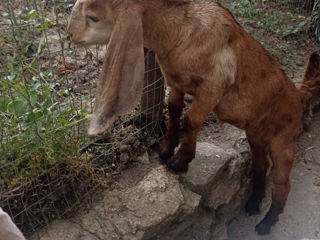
[{"x": 165, "y": 206}]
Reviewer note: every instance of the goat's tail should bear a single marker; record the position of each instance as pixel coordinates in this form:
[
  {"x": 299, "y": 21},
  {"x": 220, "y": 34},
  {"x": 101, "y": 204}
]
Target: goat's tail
[{"x": 311, "y": 81}]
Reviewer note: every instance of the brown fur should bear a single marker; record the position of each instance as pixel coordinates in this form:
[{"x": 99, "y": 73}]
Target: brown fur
[{"x": 204, "y": 52}]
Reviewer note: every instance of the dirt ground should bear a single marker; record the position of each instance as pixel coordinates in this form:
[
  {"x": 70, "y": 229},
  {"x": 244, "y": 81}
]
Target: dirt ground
[{"x": 301, "y": 217}]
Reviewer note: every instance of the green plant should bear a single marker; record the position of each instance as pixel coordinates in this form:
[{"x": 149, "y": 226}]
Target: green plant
[
  {"x": 39, "y": 119},
  {"x": 277, "y": 21},
  {"x": 36, "y": 121}
]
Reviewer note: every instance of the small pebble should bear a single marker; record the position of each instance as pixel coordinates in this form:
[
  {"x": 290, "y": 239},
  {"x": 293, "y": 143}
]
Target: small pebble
[
  {"x": 124, "y": 148},
  {"x": 124, "y": 157}
]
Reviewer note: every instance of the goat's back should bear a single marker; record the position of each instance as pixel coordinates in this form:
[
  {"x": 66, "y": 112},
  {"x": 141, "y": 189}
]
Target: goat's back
[{"x": 195, "y": 39}]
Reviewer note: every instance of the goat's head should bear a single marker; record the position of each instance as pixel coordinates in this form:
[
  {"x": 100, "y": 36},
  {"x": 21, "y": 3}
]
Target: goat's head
[
  {"x": 91, "y": 22},
  {"x": 118, "y": 23}
]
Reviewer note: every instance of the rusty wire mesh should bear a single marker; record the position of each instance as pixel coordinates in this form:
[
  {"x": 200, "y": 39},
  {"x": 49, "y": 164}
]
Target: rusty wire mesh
[{"x": 48, "y": 167}]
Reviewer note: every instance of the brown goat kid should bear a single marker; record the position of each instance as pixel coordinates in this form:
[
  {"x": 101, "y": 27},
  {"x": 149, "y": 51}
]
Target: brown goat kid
[{"x": 204, "y": 52}]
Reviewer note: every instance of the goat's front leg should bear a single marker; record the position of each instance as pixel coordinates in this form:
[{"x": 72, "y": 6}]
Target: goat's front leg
[
  {"x": 202, "y": 105},
  {"x": 171, "y": 140}
]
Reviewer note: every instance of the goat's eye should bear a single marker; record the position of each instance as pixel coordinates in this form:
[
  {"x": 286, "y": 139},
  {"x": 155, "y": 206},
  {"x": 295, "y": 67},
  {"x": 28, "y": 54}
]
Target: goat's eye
[{"x": 93, "y": 19}]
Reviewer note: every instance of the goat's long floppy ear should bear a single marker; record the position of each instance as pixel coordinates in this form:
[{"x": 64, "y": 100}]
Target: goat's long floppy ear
[{"x": 121, "y": 82}]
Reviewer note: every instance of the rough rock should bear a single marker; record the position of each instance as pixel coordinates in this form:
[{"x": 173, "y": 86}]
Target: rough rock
[
  {"x": 165, "y": 206},
  {"x": 215, "y": 171},
  {"x": 209, "y": 162},
  {"x": 142, "y": 211},
  {"x": 220, "y": 176},
  {"x": 143, "y": 158},
  {"x": 229, "y": 182},
  {"x": 64, "y": 229},
  {"x": 227, "y": 212}
]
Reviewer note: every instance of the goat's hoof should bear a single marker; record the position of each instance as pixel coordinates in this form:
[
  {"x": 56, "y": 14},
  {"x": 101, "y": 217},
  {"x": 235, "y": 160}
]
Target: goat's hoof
[
  {"x": 164, "y": 156},
  {"x": 263, "y": 228},
  {"x": 252, "y": 206},
  {"x": 166, "y": 151},
  {"x": 177, "y": 164},
  {"x": 178, "y": 168}
]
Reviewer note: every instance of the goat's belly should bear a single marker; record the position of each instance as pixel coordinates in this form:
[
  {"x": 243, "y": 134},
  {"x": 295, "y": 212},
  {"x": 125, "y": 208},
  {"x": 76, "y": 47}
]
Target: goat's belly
[{"x": 232, "y": 115}]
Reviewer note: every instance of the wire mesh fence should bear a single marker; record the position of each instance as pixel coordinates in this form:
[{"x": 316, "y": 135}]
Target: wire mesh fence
[
  {"x": 315, "y": 21},
  {"x": 48, "y": 167},
  {"x": 294, "y": 6},
  {"x": 281, "y": 17}
]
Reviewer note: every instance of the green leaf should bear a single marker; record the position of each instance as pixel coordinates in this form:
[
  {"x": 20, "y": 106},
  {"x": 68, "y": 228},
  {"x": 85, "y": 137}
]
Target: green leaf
[
  {"x": 32, "y": 14},
  {"x": 33, "y": 98},
  {"x": 41, "y": 46},
  {"x": 43, "y": 26},
  {"x": 12, "y": 77},
  {"x": 18, "y": 107},
  {"x": 4, "y": 84},
  {"x": 4, "y": 105},
  {"x": 63, "y": 92}
]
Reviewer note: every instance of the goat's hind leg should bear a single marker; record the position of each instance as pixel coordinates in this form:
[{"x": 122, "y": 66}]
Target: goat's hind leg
[
  {"x": 171, "y": 140},
  {"x": 282, "y": 150},
  {"x": 259, "y": 170}
]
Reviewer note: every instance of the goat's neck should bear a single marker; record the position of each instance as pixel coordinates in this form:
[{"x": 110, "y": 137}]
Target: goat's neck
[{"x": 163, "y": 29}]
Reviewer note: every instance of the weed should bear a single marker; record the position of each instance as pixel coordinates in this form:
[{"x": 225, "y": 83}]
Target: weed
[
  {"x": 39, "y": 122},
  {"x": 275, "y": 21}
]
